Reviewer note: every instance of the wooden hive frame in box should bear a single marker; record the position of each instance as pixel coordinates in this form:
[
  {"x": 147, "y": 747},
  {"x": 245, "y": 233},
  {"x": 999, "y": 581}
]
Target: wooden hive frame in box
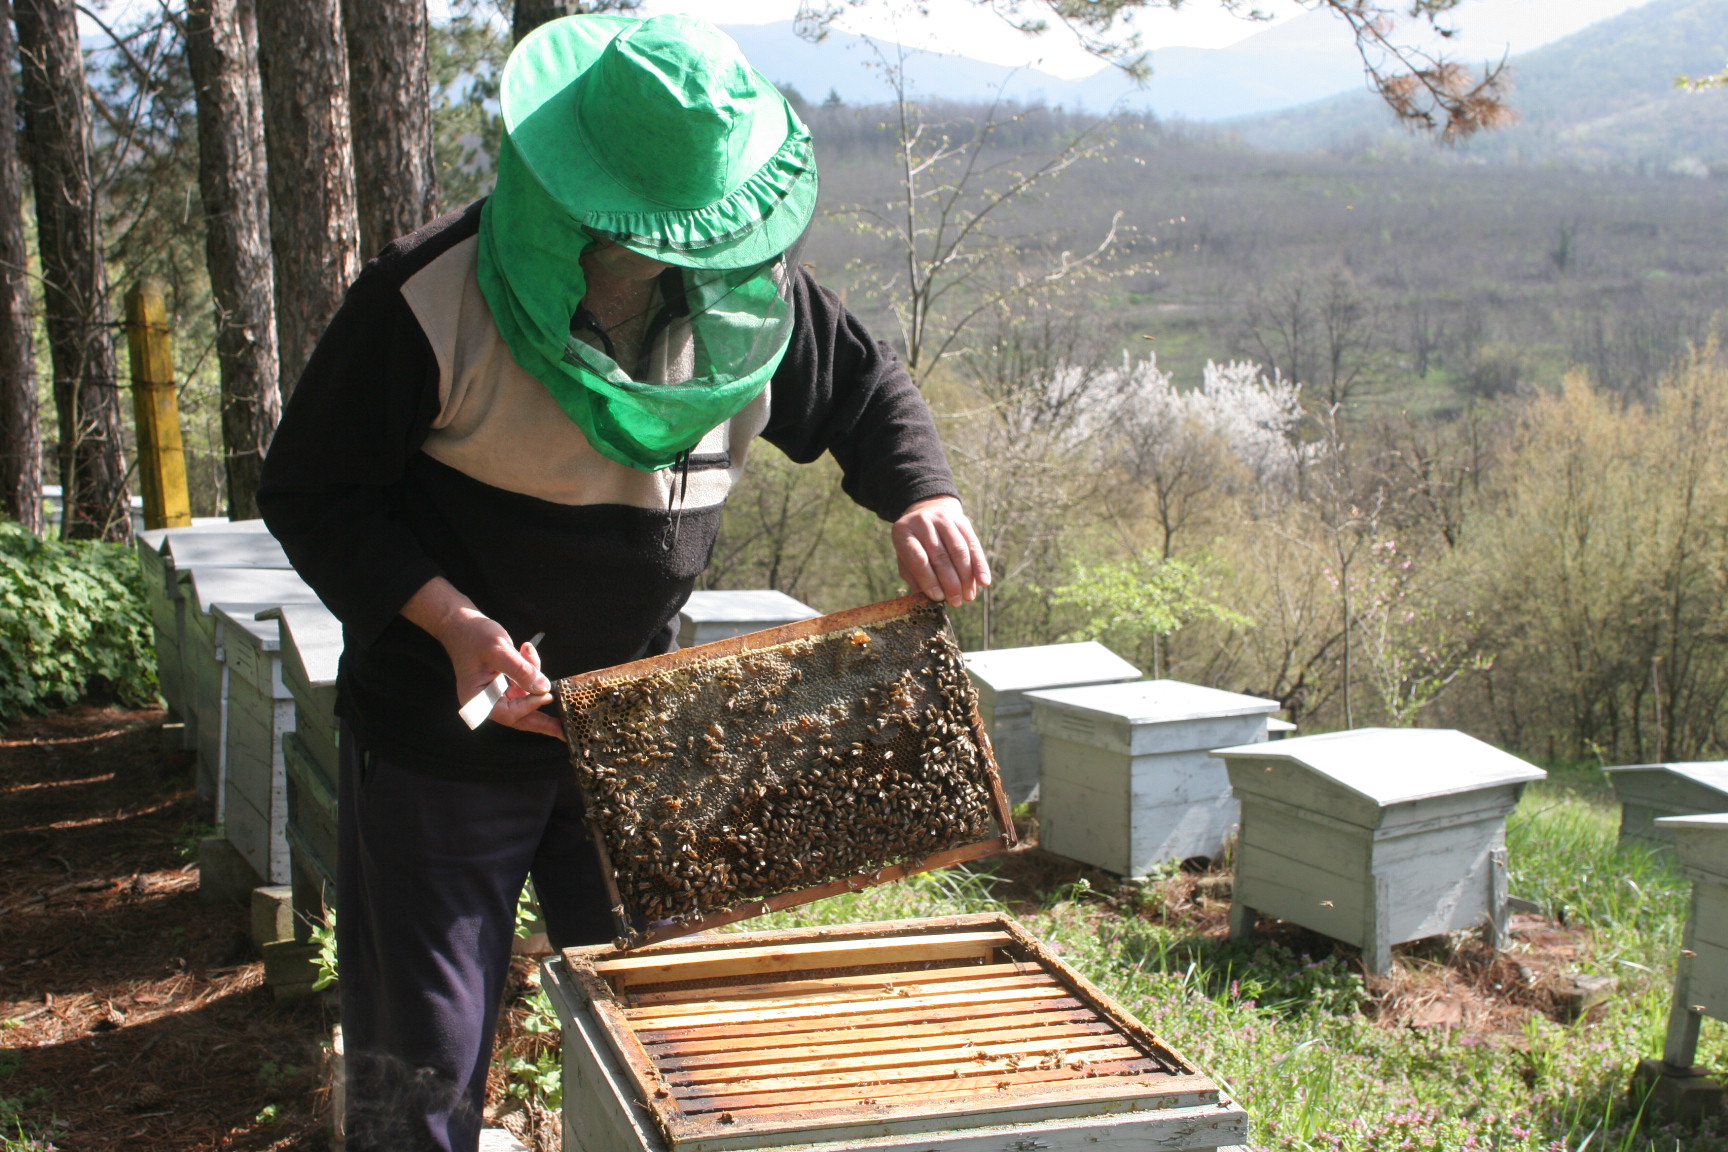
[
  {"x": 772, "y": 769},
  {"x": 956, "y": 1032}
]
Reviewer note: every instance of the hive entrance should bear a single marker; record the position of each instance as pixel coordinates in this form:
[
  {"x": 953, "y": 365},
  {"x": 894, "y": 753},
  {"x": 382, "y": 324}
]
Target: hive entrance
[{"x": 771, "y": 769}]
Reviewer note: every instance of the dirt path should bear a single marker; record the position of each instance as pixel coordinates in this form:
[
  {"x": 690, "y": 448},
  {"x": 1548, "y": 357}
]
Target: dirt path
[{"x": 131, "y": 1016}]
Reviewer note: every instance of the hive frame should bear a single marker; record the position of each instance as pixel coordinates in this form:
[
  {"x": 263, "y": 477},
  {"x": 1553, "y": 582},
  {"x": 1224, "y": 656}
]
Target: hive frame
[{"x": 630, "y": 935}]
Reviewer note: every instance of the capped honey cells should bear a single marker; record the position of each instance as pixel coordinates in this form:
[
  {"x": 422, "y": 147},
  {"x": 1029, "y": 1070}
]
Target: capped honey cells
[{"x": 723, "y": 779}]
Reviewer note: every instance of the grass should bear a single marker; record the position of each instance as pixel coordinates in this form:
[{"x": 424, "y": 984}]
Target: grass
[{"x": 1295, "y": 1039}]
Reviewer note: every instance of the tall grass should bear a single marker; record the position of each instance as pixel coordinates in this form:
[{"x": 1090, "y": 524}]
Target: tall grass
[{"x": 1293, "y": 1038}]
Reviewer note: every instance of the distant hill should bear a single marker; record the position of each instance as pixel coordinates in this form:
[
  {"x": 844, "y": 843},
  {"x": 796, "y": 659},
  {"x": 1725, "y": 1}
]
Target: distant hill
[
  {"x": 1293, "y": 63},
  {"x": 1601, "y": 97}
]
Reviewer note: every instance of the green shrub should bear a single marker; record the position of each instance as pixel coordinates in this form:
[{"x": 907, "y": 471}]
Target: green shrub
[{"x": 73, "y": 623}]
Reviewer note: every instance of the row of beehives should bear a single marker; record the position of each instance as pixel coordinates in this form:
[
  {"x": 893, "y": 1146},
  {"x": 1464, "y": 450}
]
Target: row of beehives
[
  {"x": 1373, "y": 837},
  {"x": 247, "y": 658}
]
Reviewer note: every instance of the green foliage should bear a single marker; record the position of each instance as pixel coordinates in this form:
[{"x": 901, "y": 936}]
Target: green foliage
[
  {"x": 1130, "y": 604},
  {"x": 539, "y": 1077},
  {"x": 20, "y": 1131},
  {"x": 323, "y": 934},
  {"x": 72, "y": 623}
]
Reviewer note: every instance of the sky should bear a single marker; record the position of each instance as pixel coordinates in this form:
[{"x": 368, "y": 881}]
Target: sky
[{"x": 1490, "y": 28}]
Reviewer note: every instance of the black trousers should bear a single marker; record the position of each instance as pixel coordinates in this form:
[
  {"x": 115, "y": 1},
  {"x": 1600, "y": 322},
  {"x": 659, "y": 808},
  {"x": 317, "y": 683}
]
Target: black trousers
[{"x": 428, "y": 875}]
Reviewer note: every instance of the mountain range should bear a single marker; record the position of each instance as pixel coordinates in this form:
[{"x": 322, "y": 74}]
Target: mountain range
[{"x": 1601, "y": 96}]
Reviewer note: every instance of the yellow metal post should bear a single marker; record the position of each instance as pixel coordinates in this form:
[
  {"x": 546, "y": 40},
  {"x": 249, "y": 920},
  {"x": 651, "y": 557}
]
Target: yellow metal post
[{"x": 156, "y": 408}]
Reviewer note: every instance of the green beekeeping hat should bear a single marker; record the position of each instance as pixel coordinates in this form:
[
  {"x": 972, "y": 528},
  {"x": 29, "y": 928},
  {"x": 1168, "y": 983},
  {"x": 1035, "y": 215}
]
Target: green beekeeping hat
[{"x": 658, "y": 135}]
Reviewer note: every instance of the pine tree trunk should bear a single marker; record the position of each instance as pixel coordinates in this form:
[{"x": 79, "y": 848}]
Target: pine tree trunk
[
  {"x": 20, "y": 426},
  {"x": 314, "y": 235},
  {"x": 75, "y": 281},
  {"x": 390, "y": 101},
  {"x": 221, "y": 51}
]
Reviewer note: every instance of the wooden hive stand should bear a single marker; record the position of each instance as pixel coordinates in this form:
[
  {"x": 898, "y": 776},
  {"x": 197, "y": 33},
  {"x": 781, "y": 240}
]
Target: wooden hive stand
[{"x": 955, "y": 1034}]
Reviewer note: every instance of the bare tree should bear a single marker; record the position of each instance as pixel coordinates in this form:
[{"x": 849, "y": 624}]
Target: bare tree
[
  {"x": 956, "y": 255},
  {"x": 221, "y": 51},
  {"x": 314, "y": 233},
  {"x": 20, "y": 426},
  {"x": 390, "y": 103},
  {"x": 75, "y": 280}
]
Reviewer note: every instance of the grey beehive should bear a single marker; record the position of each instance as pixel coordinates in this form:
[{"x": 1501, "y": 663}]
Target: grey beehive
[
  {"x": 1374, "y": 836},
  {"x": 1003, "y": 676},
  {"x": 163, "y": 553},
  {"x": 251, "y": 795},
  {"x": 1701, "y": 975},
  {"x": 1648, "y": 792},
  {"x": 1126, "y": 780},
  {"x": 243, "y": 591},
  {"x": 311, "y": 652},
  {"x": 719, "y": 615}
]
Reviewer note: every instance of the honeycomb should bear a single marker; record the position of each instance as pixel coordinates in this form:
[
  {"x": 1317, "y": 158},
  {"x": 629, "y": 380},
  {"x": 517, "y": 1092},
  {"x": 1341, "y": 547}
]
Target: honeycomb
[{"x": 715, "y": 783}]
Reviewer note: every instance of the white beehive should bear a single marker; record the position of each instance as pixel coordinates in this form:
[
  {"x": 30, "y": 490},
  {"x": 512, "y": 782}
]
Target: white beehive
[
  {"x": 165, "y": 554},
  {"x": 1648, "y": 792},
  {"x": 251, "y": 796},
  {"x": 243, "y": 591},
  {"x": 311, "y": 651},
  {"x": 1003, "y": 676},
  {"x": 1701, "y": 976},
  {"x": 1374, "y": 836},
  {"x": 709, "y": 616},
  {"x": 1126, "y": 780}
]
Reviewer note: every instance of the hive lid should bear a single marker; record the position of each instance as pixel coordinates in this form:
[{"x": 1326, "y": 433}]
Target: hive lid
[
  {"x": 245, "y": 617},
  {"x": 768, "y": 770},
  {"x": 1707, "y": 822},
  {"x": 1397, "y": 765},
  {"x": 742, "y": 606},
  {"x": 1710, "y": 773},
  {"x": 263, "y": 587},
  {"x": 1007, "y": 670},
  {"x": 311, "y": 640},
  {"x": 1153, "y": 701},
  {"x": 232, "y": 549},
  {"x": 155, "y": 537}
]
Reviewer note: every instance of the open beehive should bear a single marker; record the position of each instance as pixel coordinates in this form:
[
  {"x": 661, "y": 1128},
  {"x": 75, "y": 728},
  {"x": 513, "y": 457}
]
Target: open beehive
[
  {"x": 771, "y": 769},
  {"x": 867, "y": 1035}
]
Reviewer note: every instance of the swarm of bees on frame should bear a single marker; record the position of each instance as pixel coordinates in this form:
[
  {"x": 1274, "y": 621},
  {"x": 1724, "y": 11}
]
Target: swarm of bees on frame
[{"x": 732, "y": 781}]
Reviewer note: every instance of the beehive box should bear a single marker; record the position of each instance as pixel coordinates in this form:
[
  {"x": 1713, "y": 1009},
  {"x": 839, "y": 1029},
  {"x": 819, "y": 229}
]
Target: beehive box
[
  {"x": 1701, "y": 972},
  {"x": 734, "y": 778},
  {"x": 311, "y": 641},
  {"x": 1648, "y": 792},
  {"x": 1003, "y": 676},
  {"x": 720, "y": 615},
  {"x": 945, "y": 1034},
  {"x": 1374, "y": 836},
  {"x": 242, "y": 591},
  {"x": 252, "y": 801},
  {"x": 166, "y": 555},
  {"x": 1127, "y": 780}
]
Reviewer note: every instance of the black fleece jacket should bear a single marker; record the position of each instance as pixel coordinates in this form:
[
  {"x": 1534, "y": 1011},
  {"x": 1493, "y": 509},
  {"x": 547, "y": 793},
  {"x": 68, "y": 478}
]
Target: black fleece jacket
[{"x": 354, "y": 490}]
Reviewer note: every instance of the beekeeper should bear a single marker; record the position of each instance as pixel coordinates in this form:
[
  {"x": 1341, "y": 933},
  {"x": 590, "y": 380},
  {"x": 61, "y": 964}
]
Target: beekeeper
[{"x": 526, "y": 418}]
